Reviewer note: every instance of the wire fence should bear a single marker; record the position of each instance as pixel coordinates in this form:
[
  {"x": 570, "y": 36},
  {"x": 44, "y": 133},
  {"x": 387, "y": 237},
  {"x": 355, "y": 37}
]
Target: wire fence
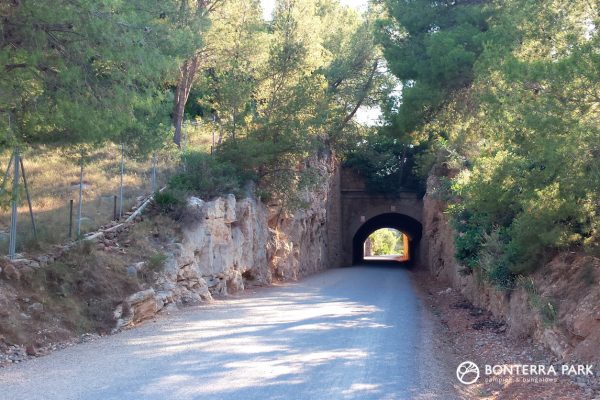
[{"x": 59, "y": 198}]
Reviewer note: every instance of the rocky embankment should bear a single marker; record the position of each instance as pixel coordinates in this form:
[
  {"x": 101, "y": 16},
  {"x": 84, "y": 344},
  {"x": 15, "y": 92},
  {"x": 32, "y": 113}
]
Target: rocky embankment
[
  {"x": 570, "y": 282},
  {"x": 129, "y": 272},
  {"x": 228, "y": 244}
]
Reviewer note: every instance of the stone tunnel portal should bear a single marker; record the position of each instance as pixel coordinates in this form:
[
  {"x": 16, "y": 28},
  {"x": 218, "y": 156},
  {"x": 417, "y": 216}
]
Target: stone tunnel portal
[{"x": 403, "y": 223}]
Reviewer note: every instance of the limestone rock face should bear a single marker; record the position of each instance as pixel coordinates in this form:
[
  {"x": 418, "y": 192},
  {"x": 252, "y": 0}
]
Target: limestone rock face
[
  {"x": 300, "y": 241},
  {"x": 224, "y": 240},
  {"x": 229, "y": 244},
  {"x": 136, "y": 308}
]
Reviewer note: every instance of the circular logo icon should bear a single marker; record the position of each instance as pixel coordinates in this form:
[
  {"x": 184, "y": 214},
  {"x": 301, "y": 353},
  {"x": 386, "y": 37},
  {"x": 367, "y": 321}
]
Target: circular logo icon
[{"x": 467, "y": 372}]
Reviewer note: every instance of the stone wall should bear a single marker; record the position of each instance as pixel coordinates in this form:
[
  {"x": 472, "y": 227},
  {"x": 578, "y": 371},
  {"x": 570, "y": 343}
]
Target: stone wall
[{"x": 570, "y": 282}]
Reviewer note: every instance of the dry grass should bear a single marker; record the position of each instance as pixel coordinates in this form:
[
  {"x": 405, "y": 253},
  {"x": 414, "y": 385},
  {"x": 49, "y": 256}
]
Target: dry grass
[{"x": 53, "y": 181}]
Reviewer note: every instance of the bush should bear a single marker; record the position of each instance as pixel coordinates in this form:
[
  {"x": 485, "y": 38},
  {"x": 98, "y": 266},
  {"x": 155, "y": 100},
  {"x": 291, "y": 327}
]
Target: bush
[
  {"x": 207, "y": 176},
  {"x": 156, "y": 262},
  {"x": 167, "y": 201},
  {"x": 494, "y": 259},
  {"x": 547, "y": 308}
]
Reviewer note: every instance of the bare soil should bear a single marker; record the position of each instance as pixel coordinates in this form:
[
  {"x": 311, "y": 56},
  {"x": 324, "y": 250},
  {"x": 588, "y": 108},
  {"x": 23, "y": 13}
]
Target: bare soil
[
  {"x": 42, "y": 309},
  {"x": 474, "y": 335}
]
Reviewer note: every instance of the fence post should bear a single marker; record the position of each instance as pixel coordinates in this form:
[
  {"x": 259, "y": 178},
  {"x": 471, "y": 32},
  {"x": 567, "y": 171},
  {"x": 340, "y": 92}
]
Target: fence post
[
  {"x": 115, "y": 217},
  {"x": 12, "y": 246},
  {"x": 121, "y": 184},
  {"x": 80, "y": 207},
  {"x": 154, "y": 188},
  {"x": 70, "y": 219}
]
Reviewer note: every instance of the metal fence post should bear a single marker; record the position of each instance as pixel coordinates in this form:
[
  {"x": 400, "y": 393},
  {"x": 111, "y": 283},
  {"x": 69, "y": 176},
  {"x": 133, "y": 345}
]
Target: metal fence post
[
  {"x": 12, "y": 246},
  {"x": 70, "y": 219}
]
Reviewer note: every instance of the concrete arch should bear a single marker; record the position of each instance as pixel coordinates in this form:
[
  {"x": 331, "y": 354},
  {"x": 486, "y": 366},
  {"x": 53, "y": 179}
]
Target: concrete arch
[{"x": 404, "y": 223}]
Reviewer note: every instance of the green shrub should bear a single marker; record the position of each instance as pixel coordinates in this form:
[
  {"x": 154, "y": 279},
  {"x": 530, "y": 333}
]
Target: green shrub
[
  {"x": 387, "y": 164},
  {"x": 156, "y": 262},
  {"x": 549, "y": 312},
  {"x": 207, "y": 176},
  {"x": 167, "y": 201},
  {"x": 494, "y": 259},
  {"x": 547, "y": 308}
]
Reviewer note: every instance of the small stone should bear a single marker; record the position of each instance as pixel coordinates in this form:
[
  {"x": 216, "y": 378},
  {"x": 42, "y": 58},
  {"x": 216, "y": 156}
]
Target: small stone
[
  {"x": 131, "y": 271},
  {"x": 31, "y": 351},
  {"x": 35, "y": 308}
]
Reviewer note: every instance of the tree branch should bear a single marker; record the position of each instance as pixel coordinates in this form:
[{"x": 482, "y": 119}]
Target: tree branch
[{"x": 363, "y": 95}]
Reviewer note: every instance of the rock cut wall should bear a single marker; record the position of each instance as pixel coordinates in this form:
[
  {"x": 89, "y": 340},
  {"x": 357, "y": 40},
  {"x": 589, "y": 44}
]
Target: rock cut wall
[
  {"x": 570, "y": 283},
  {"x": 229, "y": 244}
]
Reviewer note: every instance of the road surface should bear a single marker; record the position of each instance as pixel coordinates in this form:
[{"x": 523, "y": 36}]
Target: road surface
[{"x": 351, "y": 333}]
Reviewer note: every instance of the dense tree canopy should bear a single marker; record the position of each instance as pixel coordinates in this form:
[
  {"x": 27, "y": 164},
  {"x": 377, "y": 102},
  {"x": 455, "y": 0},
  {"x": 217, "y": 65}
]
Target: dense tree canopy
[
  {"x": 283, "y": 89},
  {"x": 512, "y": 108},
  {"x": 86, "y": 72},
  {"x": 431, "y": 46}
]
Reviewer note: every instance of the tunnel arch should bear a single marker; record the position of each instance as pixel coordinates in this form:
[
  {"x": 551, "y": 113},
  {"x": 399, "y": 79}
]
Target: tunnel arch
[{"x": 405, "y": 224}]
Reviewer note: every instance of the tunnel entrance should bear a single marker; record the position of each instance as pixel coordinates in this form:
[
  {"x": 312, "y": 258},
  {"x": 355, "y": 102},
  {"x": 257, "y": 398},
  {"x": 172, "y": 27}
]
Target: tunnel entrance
[{"x": 411, "y": 232}]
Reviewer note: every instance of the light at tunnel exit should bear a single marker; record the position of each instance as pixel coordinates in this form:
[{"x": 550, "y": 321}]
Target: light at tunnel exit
[{"x": 387, "y": 244}]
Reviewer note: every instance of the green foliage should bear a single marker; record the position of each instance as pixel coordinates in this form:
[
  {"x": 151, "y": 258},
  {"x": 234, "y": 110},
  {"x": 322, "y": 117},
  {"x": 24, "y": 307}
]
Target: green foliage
[
  {"x": 431, "y": 46},
  {"x": 207, "y": 176},
  {"x": 386, "y": 163},
  {"x": 549, "y": 312},
  {"x": 276, "y": 93},
  {"x": 386, "y": 241},
  {"x": 167, "y": 201},
  {"x": 156, "y": 262},
  {"x": 89, "y": 72},
  {"x": 547, "y": 308},
  {"x": 516, "y": 123}
]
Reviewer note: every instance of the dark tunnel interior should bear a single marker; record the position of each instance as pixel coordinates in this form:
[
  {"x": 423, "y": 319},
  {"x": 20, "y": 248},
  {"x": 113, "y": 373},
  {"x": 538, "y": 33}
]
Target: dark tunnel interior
[{"x": 407, "y": 225}]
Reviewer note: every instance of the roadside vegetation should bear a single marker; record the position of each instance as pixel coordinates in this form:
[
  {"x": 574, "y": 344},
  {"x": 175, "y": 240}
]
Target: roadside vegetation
[
  {"x": 386, "y": 242},
  {"x": 78, "y": 291},
  {"x": 212, "y": 91},
  {"x": 504, "y": 99}
]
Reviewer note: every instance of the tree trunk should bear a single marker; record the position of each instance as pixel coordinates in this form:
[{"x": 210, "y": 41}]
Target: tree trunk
[{"x": 187, "y": 73}]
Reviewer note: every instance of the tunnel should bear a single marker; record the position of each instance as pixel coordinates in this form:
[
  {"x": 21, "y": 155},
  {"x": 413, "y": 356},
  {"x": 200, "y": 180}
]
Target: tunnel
[{"x": 403, "y": 223}]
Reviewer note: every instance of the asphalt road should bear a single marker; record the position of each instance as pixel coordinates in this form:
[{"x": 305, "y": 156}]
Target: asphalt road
[{"x": 351, "y": 333}]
